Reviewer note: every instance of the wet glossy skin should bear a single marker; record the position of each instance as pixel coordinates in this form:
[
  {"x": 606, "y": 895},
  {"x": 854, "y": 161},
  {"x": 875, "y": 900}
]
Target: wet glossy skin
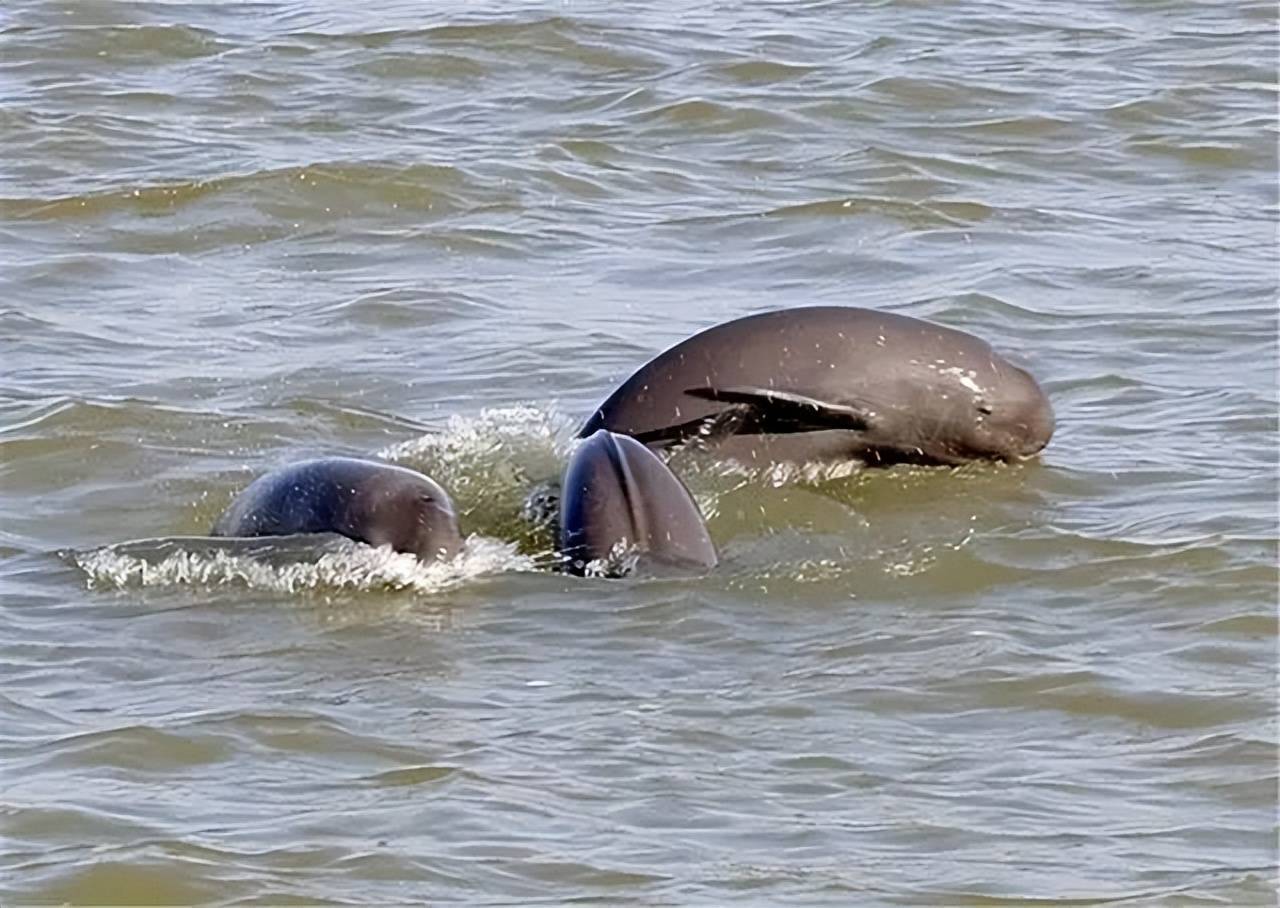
[
  {"x": 834, "y": 383},
  {"x": 618, "y": 495},
  {"x": 371, "y": 502}
]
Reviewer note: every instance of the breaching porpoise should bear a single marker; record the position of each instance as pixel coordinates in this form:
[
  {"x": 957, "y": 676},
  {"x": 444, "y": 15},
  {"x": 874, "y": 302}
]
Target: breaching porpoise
[{"x": 830, "y": 383}]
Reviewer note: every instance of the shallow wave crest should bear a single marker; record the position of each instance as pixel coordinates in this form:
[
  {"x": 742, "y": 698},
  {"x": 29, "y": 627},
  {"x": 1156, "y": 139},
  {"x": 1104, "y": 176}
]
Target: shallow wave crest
[{"x": 291, "y": 564}]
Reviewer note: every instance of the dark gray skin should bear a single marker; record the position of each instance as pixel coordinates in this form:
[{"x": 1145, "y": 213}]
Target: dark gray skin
[
  {"x": 370, "y": 502},
  {"x": 617, "y": 493},
  {"x": 828, "y": 383}
]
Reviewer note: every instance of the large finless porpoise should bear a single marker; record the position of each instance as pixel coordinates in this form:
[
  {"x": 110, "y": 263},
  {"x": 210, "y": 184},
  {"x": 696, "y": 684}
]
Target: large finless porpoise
[
  {"x": 833, "y": 383},
  {"x": 370, "y": 502},
  {"x": 618, "y": 497}
]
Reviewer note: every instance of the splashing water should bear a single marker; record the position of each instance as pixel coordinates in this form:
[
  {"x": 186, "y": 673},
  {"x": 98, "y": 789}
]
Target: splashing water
[
  {"x": 490, "y": 463},
  {"x": 289, "y": 564},
  {"x": 519, "y": 440},
  {"x": 620, "y": 561}
]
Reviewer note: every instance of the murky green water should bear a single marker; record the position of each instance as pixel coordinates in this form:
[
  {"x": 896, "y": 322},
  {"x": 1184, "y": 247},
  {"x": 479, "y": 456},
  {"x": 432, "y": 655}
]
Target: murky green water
[{"x": 236, "y": 236}]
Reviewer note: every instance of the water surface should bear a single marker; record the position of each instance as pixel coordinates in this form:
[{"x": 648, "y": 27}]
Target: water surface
[{"x": 237, "y": 236}]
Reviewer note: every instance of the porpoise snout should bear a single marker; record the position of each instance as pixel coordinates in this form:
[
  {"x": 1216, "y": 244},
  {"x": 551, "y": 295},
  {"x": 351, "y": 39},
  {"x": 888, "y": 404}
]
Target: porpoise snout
[{"x": 1033, "y": 420}]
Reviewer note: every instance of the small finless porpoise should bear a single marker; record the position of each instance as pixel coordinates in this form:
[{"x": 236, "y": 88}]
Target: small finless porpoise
[
  {"x": 617, "y": 496},
  {"x": 370, "y": 502},
  {"x": 828, "y": 383}
]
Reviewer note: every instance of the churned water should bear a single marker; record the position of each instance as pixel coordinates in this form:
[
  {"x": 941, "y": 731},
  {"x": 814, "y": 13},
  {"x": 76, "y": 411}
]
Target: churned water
[{"x": 237, "y": 235}]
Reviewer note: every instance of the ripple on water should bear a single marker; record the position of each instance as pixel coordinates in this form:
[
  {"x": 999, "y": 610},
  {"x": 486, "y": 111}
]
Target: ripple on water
[
  {"x": 141, "y": 876},
  {"x": 235, "y": 241},
  {"x": 350, "y": 189}
]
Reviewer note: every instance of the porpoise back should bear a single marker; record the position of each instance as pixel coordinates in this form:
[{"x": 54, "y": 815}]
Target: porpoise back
[{"x": 371, "y": 502}]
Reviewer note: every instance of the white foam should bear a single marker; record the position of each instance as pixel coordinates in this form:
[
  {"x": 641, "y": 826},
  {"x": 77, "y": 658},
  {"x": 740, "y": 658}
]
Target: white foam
[
  {"x": 620, "y": 561},
  {"x": 489, "y": 462},
  {"x": 777, "y": 474},
  {"x": 344, "y": 565},
  {"x": 496, "y": 432}
]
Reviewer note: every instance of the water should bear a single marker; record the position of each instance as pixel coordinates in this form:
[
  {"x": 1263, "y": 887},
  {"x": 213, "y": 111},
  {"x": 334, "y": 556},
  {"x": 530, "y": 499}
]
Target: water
[{"x": 234, "y": 237}]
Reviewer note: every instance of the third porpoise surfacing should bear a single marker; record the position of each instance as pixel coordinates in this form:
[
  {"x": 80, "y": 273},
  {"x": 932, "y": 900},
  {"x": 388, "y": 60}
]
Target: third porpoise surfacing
[{"x": 371, "y": 502}]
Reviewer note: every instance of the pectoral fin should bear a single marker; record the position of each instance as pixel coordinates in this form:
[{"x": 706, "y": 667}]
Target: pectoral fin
[
  {"x": 772, "y": 411},
  {"x": 706, "y": 428}
]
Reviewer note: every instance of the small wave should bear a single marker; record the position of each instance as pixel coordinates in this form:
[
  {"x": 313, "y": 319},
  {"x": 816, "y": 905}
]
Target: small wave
[
  {"x": 123, "y": 43},
  {"x": 289, "y": 564},
  {"x": 434, "y": 67},
  {"x": 965, "y": 309},
  {"x": 922, "y": 215},
  {"x": 915, "y": 214},
  {"x": 761, "y": 71},
  {"x": 921, "y": 93},
  {"x": 1240, "y": 155},
  {"x": 349, "y": 186},
  {"x": 714, "y": 117}
]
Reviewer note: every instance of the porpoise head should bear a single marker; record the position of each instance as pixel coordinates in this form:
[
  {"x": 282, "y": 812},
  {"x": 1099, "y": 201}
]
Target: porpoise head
[
  {"x": 1012, "y": 419},
  {"x": 618, "y": 496},
  {"x": 407, "y": 511}
]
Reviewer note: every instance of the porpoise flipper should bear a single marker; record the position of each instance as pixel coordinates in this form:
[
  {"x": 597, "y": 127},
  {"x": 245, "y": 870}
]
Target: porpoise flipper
[
  {"x": 713, "y": 428},
  {"x": 774, "y": 412}
]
